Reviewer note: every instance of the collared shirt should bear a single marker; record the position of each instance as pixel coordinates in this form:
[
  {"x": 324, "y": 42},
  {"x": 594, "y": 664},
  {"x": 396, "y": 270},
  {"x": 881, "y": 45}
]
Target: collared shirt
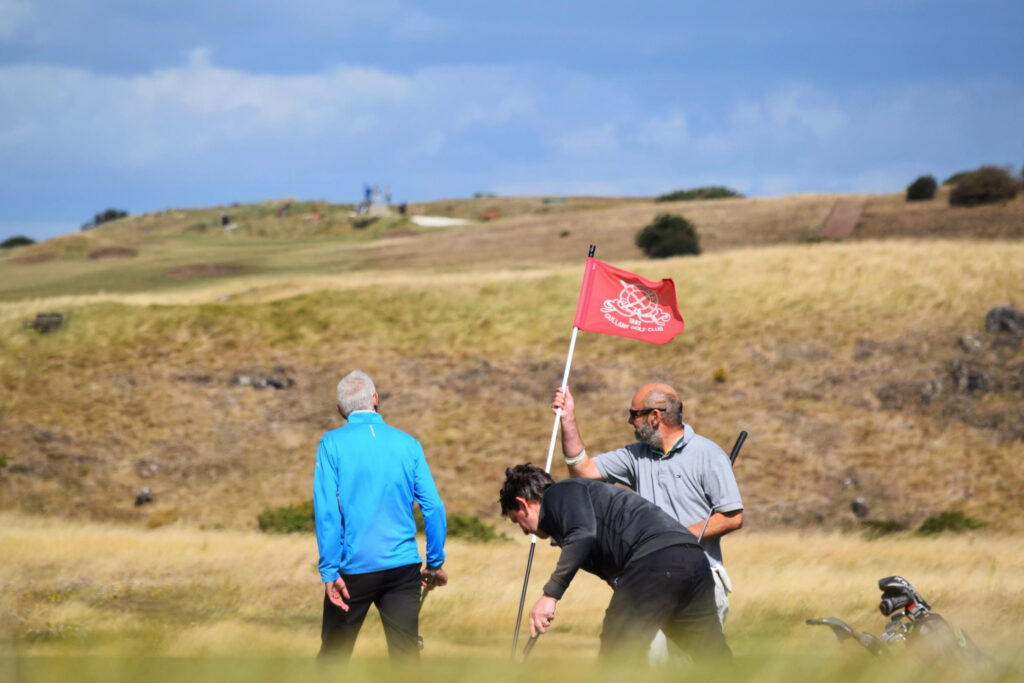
[
  {"x": 687, "y": 483},
  {"x": 368, "y": 474}
]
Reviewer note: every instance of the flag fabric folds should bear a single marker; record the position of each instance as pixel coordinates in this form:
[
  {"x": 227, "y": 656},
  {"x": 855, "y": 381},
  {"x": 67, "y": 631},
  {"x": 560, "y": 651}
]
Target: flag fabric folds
[{"x": 618, "y": 302}]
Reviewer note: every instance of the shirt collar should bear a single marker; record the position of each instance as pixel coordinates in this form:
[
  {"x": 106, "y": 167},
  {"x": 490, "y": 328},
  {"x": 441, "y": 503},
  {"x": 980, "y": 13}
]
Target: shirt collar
[
  {"x": 677, "y": 446},
  {"x": 364, "y": 417}
]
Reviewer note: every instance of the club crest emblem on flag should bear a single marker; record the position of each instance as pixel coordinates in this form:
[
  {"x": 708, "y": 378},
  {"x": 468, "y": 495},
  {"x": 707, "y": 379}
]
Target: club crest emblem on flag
[
  {"x": 630, "y": 305},
  {"x": 637, "y": 302}
]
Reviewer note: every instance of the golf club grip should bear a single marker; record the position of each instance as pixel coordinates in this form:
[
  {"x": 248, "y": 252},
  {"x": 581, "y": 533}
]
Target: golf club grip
[
  {"x": 529, "y": 645},
  {"x": 736, "y": 448}
]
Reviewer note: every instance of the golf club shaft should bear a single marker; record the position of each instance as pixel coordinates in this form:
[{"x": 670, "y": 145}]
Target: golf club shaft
[
  {"x": 522, "y": 598},
  {"x": 529, "y": 645},
  {"x": 732, "y": 461}
]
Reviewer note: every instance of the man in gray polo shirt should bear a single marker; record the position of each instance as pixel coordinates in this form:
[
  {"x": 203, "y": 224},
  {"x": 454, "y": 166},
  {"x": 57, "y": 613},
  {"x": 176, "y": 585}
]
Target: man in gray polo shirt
[{"x": 683, "y": 473}]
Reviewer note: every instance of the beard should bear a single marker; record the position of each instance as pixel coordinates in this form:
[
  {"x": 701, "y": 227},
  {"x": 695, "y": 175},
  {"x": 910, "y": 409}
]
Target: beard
[{"x": 649, "y": 435}]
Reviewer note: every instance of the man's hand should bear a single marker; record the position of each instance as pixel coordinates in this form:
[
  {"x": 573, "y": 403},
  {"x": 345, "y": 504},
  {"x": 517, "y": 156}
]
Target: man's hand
[
  {"x": 336, "y": 590},
  {"x": 433, "y": 578},
  {"x": 542, "y": 614},
  {"x": 564, "y": 400}
]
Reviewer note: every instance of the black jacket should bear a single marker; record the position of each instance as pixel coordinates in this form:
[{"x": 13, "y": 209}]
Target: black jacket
[{"x": 601, "y": 529}]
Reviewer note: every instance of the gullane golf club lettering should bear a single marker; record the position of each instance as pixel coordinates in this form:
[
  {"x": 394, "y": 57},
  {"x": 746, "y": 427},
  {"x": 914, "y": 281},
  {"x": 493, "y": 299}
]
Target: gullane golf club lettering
[{"x": 633, "y": 324}]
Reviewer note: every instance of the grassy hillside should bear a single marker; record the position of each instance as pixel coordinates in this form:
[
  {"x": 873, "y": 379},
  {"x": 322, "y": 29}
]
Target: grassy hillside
[
  {"x": 182, "y": 249},
  {"x": 812, "y": 342}
]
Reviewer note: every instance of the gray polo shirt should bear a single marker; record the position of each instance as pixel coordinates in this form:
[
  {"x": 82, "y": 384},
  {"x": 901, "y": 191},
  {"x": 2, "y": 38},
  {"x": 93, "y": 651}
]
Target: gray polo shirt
[{"x": 686, "y": 483}]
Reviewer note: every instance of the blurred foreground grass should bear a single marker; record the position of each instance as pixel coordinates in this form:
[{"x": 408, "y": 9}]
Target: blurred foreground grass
[
  {"x": 88, "y": 602},
  {"x": 765, "y": 668}
]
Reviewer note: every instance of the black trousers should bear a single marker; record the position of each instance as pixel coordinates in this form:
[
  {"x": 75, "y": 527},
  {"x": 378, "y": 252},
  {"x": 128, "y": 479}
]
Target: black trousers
[
  {"x": 395, "y": 593},
  {"x": 672, "y": 590}
]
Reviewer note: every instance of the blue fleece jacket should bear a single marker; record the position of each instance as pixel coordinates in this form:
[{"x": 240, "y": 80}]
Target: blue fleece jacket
[{"x": 367, "y": 476}]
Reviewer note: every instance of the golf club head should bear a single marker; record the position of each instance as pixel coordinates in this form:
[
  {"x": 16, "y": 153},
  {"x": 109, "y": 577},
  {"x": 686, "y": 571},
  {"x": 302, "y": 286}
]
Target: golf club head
[{"x": 898, "y": 593}]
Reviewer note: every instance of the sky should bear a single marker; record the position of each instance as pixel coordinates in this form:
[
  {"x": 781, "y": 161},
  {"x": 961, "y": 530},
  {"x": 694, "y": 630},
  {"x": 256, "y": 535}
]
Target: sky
[{"x": 143, "y": 105}]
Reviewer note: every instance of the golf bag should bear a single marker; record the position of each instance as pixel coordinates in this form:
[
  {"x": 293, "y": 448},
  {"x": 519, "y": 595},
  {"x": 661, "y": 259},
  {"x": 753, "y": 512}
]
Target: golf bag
[{"x": 912, "y": 625}]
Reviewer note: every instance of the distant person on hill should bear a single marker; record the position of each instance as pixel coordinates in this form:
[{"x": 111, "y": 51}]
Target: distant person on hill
[
  {"x": 683, "y": 473},
  {"x": 655, "y": 567},
  {"x": 368, "y": 474}
]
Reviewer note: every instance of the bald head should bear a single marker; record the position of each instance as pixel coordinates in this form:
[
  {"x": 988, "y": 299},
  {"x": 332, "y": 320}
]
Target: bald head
[{"x": 664, "y": 398}]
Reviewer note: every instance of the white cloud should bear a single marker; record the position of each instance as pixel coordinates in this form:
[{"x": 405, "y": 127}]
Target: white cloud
[
  {"x": 790, "y": 111},
  {"x": 805, "y": 107},
  {"x": 537, "y": 130},
  {"x": 182, "y": 111}
]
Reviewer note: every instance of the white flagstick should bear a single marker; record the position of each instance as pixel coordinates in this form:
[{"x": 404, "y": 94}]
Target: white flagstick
[
  {"x": 547, "y": 468},
  {"x": 558, "y": 413}
]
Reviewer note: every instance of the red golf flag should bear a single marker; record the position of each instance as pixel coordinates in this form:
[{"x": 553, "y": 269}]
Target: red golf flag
[{"x": 618, "y": 302}]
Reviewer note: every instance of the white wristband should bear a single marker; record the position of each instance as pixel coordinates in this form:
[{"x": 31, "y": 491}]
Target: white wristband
[{"x": 572, "y": 462}]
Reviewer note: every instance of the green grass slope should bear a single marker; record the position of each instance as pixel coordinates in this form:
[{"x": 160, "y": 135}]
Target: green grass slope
[{"x": 803, "y": 345}]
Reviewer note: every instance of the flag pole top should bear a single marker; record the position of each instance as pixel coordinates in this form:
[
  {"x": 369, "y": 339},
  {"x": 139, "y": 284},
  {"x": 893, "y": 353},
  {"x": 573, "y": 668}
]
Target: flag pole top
[{"x": 590, "y": 254}]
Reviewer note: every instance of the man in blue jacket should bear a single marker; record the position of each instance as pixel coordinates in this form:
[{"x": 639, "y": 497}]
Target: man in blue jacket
[{"x": 368, "y": 475}]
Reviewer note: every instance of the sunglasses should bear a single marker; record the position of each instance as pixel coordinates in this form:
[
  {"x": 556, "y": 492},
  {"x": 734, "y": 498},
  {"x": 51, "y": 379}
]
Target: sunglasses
[{"x": 634, "y": 414}]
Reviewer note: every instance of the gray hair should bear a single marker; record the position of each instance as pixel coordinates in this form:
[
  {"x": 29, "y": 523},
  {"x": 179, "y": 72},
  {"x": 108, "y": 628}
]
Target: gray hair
[
  {"x": 355, "y": 392},
  {"x": 669, "y": 404}
]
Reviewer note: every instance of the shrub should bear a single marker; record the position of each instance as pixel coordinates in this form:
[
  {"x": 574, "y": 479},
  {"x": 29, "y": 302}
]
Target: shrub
[
  {"x": 288, "y": 519},
  {"x": 987, "y": 185},
  {"x": 955, "y": 178},
  {"x": 299, "y": 517},
  {"x": 668, "y": 235},
  {"x": 874, "y": 528},
  {"x": 949, "y": 520},
  {"x": 467, "y": 527},
  {"x": 104, "y": 217},
  {"x": 474, "y": 529},
  {"x": 17, "y": 241},
  {"x": 922, "y": 188},
  {"x": 706, "y": 192}
]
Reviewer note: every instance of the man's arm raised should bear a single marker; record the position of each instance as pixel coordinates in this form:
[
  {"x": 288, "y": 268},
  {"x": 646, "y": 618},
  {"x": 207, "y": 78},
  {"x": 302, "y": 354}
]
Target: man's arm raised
[{"x": 573, "y": 451}]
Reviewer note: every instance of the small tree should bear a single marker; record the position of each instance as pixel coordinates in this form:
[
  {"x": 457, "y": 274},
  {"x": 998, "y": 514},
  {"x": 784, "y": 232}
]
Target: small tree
[
  {"x": 955, "y": 178},
  {"x": 18, "y": 241},
  {"x": 705, "y": 192},
  {"x": 987, "y": 185},
  {"x": 669, "y": 235},
  {"x": 922, "y": 188},
  {"x": 104, "y": 217}
]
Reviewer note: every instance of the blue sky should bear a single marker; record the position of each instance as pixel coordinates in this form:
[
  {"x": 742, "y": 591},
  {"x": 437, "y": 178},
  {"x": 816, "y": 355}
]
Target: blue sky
[{"x": 147, "y": 105}]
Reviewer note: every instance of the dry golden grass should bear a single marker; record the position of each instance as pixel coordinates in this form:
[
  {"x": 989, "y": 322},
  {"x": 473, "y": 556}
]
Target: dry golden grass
[
  {"x": 136, "y": 383},
  {"x": 892, "y": 216},
  {"x": 71, "y": 587}
]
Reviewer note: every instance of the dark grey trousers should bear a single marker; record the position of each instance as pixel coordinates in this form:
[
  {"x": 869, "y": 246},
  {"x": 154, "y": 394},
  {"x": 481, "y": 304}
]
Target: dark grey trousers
[{"x": 396, "y": 595}]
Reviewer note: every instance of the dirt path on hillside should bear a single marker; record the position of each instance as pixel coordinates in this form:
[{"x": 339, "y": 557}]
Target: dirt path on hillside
[{"x": 842, "y": 219}]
